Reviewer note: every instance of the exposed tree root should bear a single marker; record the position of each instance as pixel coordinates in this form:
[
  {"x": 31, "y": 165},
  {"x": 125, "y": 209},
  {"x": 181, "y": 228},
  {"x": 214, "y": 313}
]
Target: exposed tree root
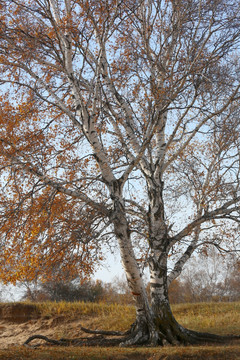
[
  {"x": 87, "y": 341},
  {"x": 106, "y": 332},
  {"x": 136, "y": 336},
  {"x": 208, "y": 337},
  {"x": 41, "y": 337}
]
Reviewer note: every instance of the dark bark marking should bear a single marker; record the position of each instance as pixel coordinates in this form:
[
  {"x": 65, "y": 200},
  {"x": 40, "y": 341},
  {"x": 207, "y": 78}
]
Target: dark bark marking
[{"x": 156, "y": 285}]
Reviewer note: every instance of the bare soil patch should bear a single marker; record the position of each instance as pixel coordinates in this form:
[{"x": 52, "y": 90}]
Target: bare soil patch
[{"x": 20, "y": 321}]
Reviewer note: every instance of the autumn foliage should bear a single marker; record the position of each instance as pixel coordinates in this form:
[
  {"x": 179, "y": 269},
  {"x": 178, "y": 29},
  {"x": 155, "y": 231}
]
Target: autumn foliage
[{"x": 40, "y": 226}]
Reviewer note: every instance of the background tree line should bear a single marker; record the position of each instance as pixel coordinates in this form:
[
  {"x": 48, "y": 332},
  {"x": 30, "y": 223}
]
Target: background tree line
[{"x": 216, "y": 279}]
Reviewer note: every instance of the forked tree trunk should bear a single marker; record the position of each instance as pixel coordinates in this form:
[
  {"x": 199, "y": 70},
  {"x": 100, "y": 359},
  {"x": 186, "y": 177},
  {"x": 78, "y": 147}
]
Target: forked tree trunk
[{"x": 155, "y": 323}]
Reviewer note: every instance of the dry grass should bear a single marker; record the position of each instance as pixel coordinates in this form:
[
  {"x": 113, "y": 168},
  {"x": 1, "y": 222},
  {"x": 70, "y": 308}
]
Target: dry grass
[
  {"x": 231, "y": 352},
  {"x": 221, "y": 318},
  {"x": 104, "y": 316}
]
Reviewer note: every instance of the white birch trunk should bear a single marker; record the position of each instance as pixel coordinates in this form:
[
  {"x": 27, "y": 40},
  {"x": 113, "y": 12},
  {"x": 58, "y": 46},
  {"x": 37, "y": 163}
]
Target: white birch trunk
[
  {"x": 144, "y": 320},
  {"x": 159, "y": 244}
]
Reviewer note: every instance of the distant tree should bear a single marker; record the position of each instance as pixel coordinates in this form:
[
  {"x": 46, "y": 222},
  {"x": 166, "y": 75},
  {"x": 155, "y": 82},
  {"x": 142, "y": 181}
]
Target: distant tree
[
  {"x": 89, "y": 291},
  {"x": 177, "y": 292},
  {"x": 232, "y": 283},
  {"x": 216, "y": 278},
  {"x": 64, "y": 290},
  {"x": 119, "y": 121},
  {"x": 118, "y": 291}
]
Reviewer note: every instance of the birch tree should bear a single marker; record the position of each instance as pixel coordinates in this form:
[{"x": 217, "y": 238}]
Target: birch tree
[{"x": 112, "y": 113}]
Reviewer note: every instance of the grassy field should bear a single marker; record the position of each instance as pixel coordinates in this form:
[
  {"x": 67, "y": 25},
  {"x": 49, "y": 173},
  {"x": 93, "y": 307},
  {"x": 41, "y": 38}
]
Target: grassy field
[{"x": 220, "y": 318}]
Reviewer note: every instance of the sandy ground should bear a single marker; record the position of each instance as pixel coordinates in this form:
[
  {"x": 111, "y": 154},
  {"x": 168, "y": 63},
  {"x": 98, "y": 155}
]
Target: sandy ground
[
  {"x": 16, "y": 334},
  {"x": 16, "y": 326}
]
